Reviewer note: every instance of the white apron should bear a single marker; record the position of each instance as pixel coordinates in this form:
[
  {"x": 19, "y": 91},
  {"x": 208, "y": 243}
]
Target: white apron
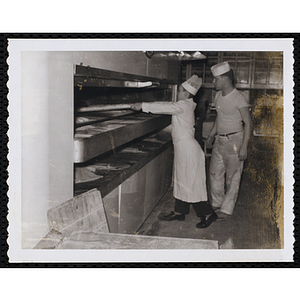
[{"x": 189, "y": 161}]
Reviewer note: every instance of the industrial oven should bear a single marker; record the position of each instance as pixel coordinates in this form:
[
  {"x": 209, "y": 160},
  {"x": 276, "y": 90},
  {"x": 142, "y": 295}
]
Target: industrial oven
[{"x": 126, "y": 155}]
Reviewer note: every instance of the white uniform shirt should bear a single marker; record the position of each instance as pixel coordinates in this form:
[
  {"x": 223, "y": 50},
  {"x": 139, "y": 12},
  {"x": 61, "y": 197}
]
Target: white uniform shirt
[
  {"x": 189, "y": 179},
  {"x": 183, "y": 119}
]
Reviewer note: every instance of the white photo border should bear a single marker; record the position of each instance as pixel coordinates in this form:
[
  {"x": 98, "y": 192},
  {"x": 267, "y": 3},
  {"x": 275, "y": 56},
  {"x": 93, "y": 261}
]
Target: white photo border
[{"x": 18, "y": 255}]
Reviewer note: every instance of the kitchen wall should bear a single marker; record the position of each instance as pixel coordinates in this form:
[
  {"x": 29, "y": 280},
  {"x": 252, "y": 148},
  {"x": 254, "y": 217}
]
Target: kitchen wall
[
  {"x": 47, "y": 125},
  {"x": 47, "y": 130}
]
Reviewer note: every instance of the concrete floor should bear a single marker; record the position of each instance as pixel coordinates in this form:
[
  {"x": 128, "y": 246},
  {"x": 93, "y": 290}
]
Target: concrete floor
[{"x": 253, "y": 224}]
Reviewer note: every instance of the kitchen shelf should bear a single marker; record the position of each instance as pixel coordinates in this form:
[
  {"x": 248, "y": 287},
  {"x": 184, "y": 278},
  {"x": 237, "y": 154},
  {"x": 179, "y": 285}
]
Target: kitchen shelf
[
  {"x": 83, "y": 119},
  {"x": 86, "y": 76},
  {"x": 87, "y": 81},
  {"x": 93, "y": 86},
  {"x": 115, "y": 168},
  {"x": 89, "y": 72},
  {"x": 95, "y": 139}
]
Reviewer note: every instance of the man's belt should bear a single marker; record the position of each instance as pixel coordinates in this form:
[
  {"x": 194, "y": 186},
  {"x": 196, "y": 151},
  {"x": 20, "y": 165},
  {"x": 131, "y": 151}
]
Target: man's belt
[{"x": 227, "y": 134}]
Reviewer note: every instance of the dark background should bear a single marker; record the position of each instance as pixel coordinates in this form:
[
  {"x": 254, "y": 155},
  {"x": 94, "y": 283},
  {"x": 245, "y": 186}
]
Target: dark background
[{"x": 4, "y": 150}]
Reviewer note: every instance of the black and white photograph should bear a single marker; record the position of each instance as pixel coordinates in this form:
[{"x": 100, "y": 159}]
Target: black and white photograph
[{"x": 150, "y": 150}]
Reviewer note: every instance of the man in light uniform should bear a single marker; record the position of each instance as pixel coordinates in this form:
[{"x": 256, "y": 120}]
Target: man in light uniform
[
  {"x": 189, "y": 161},
  {"x": 231, "y": 131}
]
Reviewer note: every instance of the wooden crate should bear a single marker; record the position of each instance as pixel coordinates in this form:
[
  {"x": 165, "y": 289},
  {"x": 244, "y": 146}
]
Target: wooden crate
[{"x": 83, "y": 212}]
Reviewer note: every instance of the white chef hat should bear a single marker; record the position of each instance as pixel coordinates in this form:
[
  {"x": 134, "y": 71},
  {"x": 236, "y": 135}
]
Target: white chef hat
[
  {"x": 220, "y": 68},
  {"x": 193, "y": 84}
]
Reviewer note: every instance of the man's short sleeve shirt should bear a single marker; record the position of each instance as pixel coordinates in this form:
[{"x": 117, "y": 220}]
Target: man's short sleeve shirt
[{"x": 227, "y": 107}]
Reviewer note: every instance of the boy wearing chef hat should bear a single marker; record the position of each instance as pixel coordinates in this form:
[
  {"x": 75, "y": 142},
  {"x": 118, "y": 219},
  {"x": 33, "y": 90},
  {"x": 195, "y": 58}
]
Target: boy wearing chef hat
[
  {"x": 192, "y": 85},
  {"x": 231, "y": 132},
  {"x": 189, "y": 179}
]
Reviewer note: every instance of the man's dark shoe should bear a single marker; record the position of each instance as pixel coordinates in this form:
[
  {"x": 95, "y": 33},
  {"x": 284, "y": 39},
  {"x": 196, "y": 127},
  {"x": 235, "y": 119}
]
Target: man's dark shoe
[
  {"x": 207, "y": 220},
  {"x": 172, "y": 216}
]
